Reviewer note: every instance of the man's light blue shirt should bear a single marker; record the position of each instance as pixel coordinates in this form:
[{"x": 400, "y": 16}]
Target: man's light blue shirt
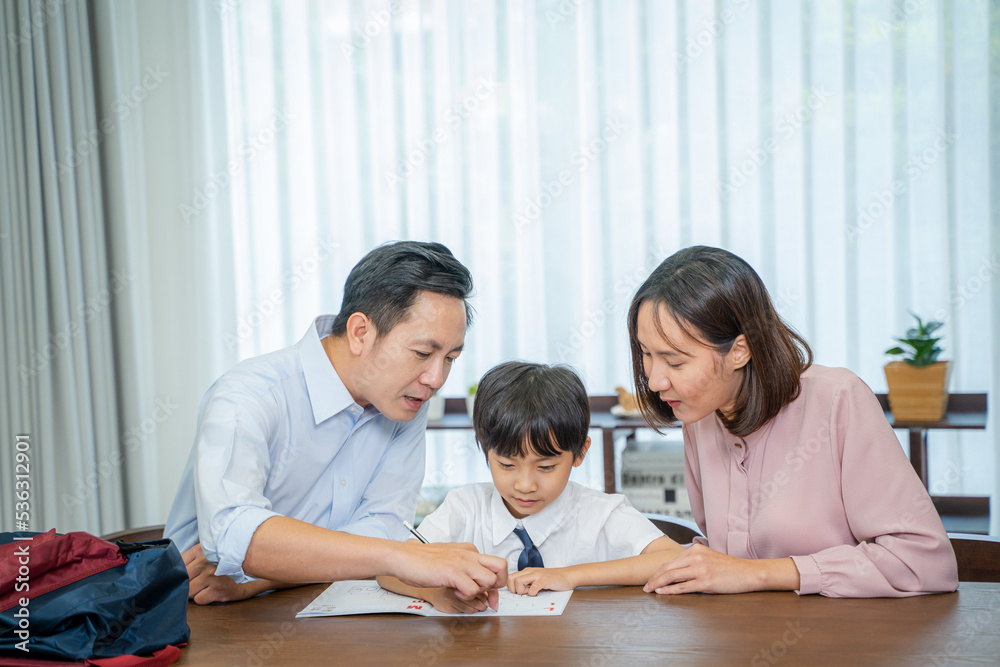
[{"x": 281, "y": 435}]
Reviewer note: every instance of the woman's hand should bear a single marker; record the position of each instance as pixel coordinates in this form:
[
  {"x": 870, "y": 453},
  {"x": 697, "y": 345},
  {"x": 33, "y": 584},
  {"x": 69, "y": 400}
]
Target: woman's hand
[{"x": 704, "y": 570}]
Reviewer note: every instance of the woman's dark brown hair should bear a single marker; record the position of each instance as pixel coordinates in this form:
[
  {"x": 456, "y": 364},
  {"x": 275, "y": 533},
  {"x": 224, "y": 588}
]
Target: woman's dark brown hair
[{"x": 715, "y": 296}]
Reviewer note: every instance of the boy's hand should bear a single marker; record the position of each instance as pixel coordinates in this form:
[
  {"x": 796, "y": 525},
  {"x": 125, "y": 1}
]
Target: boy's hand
[
  {"x": 445, "y": 600},
  {"x": 530, "y": 580}
]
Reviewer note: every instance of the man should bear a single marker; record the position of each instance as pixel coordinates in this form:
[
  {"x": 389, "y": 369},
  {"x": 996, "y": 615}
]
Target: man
[{"x": 307, "y": 460}]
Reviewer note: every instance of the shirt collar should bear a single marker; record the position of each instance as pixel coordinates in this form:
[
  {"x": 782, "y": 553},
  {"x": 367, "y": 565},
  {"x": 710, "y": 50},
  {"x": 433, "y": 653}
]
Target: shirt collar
[
  {"x": 327, "y": 393},
  {"x": 539, "y": 526}
]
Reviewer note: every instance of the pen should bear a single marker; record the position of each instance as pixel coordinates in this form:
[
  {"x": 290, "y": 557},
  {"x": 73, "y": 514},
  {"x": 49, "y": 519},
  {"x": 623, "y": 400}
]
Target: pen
[{"x": 413, "y": 530}]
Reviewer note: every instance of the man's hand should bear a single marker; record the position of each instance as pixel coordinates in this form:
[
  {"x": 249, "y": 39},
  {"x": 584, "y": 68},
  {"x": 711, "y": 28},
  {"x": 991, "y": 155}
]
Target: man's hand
[
  {"x": 704, "y": 570},
  {"x": 452, "y": 565},
  {"x": 206, "y": 588},
  {"x": 530, "y": 580}
]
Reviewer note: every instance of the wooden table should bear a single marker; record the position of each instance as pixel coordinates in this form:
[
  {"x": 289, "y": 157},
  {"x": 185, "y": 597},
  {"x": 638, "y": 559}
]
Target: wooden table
[{"x": 615, "y": 626}]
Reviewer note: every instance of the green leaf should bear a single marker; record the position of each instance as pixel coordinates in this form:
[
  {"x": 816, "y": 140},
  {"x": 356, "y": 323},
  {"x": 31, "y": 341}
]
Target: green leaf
[{"x": 920, "y": 346}]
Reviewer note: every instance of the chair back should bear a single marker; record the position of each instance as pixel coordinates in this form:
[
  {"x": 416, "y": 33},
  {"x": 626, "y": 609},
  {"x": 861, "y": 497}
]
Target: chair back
[
  {"x": 679, "y": 530},
  {"x": 144, "y": 534},
  {"x": 978, "y": 556}
]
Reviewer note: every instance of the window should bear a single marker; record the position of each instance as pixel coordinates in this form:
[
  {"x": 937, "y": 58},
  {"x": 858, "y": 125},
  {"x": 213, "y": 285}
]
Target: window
[{"x": 563, "y": 150}]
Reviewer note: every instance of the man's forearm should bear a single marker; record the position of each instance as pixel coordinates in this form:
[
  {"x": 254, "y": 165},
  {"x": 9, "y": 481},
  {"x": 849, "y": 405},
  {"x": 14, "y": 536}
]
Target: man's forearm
[{"x": 292, "y": 551}]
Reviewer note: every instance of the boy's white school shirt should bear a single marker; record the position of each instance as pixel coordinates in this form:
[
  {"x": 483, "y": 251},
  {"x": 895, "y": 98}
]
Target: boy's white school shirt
[{"x": 580, "y": 526}]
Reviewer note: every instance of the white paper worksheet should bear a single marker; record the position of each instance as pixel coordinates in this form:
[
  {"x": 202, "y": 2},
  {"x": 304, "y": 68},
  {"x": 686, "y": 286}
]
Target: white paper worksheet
[{"x": 343, "y": 598}]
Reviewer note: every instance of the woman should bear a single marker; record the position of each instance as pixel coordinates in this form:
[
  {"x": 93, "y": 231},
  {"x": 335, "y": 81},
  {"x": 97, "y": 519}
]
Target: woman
[{"x": 794, "y": 475}]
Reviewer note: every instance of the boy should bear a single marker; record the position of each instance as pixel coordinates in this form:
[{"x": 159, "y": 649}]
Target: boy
[{"x": 531, "y": 421}]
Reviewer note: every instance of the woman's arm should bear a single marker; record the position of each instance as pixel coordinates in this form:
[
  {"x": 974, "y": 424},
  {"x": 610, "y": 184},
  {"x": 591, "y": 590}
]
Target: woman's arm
[
  {"x": 704, "y": 570},
  {"x": 901, "y": 546},
  {"x": 856, "y": 520}
]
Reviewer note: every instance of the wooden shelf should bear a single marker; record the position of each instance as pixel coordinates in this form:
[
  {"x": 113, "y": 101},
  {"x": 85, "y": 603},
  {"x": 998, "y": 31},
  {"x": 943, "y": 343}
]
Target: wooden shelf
[{"x": 965, "y": 411}]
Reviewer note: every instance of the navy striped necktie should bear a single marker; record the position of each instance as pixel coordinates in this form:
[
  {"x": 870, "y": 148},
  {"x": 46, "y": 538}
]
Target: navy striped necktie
[{"x": 530, "y": 557}]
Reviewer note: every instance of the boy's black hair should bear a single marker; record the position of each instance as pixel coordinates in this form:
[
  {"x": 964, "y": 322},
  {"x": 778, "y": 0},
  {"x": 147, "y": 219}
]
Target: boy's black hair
[
  {"x": 386, "y": 282},
  {"x": 522, "y": 406}
]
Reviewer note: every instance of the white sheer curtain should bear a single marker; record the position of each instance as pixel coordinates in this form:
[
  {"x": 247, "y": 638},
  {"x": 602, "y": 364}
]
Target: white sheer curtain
[
  {"x": 562, "y": 149},
  {"x": 61, "y": 421},
  {"x": 111, "y": 305},
  {"x": 172, "y": 146}
]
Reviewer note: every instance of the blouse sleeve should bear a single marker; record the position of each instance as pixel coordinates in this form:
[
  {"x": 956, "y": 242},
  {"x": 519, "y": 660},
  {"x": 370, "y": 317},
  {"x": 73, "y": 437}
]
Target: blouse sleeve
[{"x": 902, "y": 548}]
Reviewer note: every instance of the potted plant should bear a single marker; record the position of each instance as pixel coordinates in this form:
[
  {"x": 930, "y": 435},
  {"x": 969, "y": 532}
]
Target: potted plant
[
  {"x": 470, "y": 400},
  {"x": 918, "y": 382}
]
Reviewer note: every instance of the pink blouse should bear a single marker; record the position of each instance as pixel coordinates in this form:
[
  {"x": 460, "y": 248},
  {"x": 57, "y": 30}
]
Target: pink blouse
[{"x": 825, "y": 482}]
